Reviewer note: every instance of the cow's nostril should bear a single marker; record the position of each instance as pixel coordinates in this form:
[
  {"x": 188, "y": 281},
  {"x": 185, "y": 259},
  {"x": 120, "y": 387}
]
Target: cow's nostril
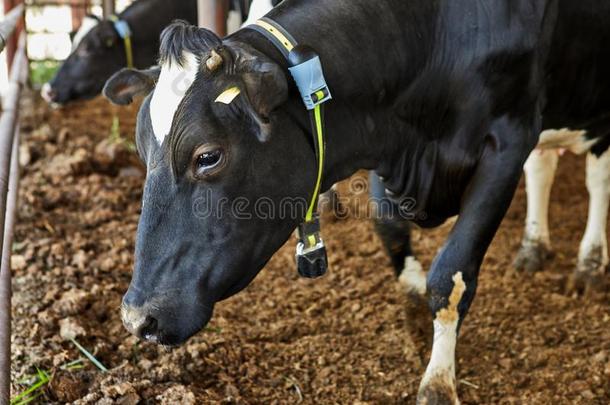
[
  {"x": 139, "y": 323},
  {"x": 149, "y": 328}
]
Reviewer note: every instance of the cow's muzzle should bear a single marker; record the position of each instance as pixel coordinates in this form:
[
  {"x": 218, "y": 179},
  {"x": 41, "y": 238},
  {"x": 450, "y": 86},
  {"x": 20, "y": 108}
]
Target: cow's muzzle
[
  {"x": 47, "y": 93},
  {"x": 50, "y": 96}
]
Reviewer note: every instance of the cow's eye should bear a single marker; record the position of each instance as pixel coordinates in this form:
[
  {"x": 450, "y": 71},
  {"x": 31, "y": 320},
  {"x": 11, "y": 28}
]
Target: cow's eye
[{"x": 208, "y": 160}]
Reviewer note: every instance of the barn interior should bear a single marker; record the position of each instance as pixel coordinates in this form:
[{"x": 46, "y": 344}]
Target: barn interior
[{"x": 74, "y": 184}]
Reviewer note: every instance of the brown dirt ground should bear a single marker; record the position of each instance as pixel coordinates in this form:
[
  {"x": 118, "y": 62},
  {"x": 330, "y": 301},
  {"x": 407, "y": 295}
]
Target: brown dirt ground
[{"x": 284, "y": 340}]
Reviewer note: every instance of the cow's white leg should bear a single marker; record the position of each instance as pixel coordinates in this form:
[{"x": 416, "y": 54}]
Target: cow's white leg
[
  {"x": 540, "y": 170},
  {"x": 535, "y": 248},
  {"x": 413, "y": 277},
  {"x": 593, "y": 253},
  {"x": 412, "y": 280},
  {"x": 438, "y": 384}
]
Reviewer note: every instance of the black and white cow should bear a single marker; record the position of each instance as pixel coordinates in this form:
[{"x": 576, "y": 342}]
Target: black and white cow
[
  {"x": 580, "y": 84},
  {"x": 98, "y": 50},
  {"x": 540, "y": 170},
  {"x": 443, "y": 99}
]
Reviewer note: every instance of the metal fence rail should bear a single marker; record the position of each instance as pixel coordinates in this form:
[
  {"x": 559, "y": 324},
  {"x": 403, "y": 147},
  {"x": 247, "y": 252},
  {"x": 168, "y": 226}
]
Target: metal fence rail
[
  {"x": 8, "y": 191},
  {"x": 7, "y": 27},
  {"x": 5, "y": 275}
]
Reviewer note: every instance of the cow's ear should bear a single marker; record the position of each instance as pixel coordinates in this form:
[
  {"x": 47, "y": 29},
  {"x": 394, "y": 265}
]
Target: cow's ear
[
  {"x": 127, "y": 84},
  {"x": 267, "y": 89}
]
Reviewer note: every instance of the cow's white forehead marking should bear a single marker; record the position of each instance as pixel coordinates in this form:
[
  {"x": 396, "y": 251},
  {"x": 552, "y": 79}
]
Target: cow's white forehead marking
[
  {"x": 88, "y": 24},
  {"x": 174, "y": 82}
]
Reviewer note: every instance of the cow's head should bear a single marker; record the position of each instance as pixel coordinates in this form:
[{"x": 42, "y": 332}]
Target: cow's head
[
  {"x": 228, "y": 177},
  {"x": 98, "y": 52}
]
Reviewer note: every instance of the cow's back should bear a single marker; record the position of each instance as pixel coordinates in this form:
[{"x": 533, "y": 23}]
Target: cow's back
[{"x": 578, "y": 67}]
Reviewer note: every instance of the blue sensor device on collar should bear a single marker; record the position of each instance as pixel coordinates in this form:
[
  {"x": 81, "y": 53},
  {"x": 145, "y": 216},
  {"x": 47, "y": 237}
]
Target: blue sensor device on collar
[
  {"x": 307, "y": 72},
  {"x": 122, "y": 28}
]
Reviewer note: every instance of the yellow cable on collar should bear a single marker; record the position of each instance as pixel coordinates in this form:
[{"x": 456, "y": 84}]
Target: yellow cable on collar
[
  {"x": 320, "y": 135},
  {"x": 126, "y": 37},
  {"x": 128, "y": 52},
  {"x": 318, "y": 127}
]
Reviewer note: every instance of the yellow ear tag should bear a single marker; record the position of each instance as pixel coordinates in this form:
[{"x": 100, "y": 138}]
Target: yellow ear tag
[{"x": 228, "y": 96}]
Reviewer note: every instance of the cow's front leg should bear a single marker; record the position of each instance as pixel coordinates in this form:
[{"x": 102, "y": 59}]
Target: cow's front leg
[
  {"x": 535, "y": 247},
  {"x": 593, "y": 254},
  {"x": 394, "y": 229},
  {"x": 452, "y": 280}
]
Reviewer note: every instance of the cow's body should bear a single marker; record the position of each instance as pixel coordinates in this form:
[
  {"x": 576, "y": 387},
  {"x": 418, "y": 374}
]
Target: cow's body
[
  {"x": 575, "y": 118},
  {"x": 422, "y": 157},
  {"x": 578, "y": 105},
  {"x": 443, "y": 99}
]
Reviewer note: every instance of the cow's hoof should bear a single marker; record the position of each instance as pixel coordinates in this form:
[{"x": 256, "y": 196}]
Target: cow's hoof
[
  {"x": 532, "y": 256},
  {"x": 589, "y": 276},
  {"x": 437, "y": 393},
  {"x": 586, "y": 284}
]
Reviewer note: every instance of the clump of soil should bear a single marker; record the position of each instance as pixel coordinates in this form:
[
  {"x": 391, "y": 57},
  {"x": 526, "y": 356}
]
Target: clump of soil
[{"x": 342, "y": 339}]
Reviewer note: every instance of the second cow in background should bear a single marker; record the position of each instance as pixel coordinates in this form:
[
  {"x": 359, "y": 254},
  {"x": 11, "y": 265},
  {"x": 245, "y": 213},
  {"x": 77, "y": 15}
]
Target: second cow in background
[{"x": 99, "y": 48}]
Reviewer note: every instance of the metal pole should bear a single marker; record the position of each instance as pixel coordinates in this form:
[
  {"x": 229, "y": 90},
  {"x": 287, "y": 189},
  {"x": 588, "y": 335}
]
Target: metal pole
[
  {"x": 8, "y": 126},
  {"x": 5, "y": 276}
]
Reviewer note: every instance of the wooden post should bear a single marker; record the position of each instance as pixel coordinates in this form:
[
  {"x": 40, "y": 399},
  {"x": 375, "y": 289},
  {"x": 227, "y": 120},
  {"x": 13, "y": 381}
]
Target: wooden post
[
  {"x": 222, "y": 12},
  {"x": 213, "y": 15},
  {"x": 108, "y": 8},
  {"x": 79, "y": 11},
  {"x": 9, "y": 25},
  {"x": 11, "y": 42},
  {"x": 207, "y": 14}
]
